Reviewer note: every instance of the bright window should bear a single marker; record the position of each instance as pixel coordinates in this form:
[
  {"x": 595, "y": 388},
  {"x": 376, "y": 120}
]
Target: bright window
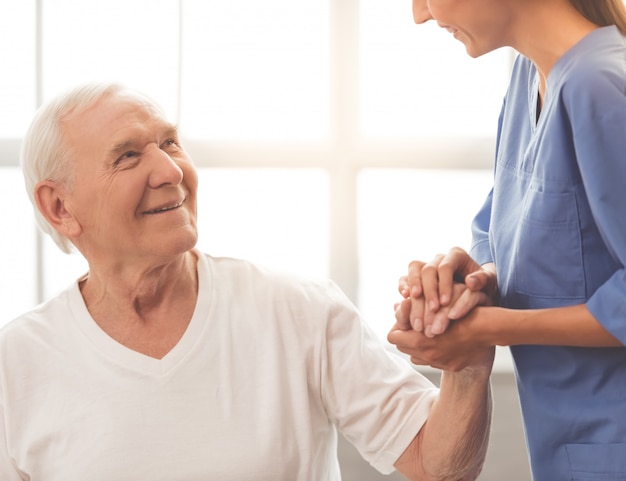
[
  {"x": 418, "y": 82},
  {"x": 18, "y": 284},
  {"x": 407, "y": 215},
  {"x": 311, "y": 123},
  {"x": 17, "y": 85},
  {"x": 276, "y": 217},
  {"x": 255, "y": 70},
  {"x": 131, "y": 41}
]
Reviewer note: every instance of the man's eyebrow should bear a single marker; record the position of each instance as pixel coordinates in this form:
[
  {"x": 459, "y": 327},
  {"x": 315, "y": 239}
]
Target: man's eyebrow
[
  {"x": 170, "y": 130},
  {"x": 122, "y": 147}
]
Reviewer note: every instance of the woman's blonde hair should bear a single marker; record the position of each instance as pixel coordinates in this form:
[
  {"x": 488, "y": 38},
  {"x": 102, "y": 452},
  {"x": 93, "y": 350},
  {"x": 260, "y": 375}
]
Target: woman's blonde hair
[{"x": 603, "y": 12}]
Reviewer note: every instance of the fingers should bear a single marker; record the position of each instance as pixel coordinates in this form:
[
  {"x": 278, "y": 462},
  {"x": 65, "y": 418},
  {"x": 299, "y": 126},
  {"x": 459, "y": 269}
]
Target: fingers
[
  {"x": 450, "y": 351},
  {"x": 438, "y": 324},
  {"x": 423, "y": 313},
  {"x": 402, "y": 313},
  {"x": 466, "y": 302},
  {"x": 484, "y": 279},
  {"x": 414, "y": 278},
  {"x": 417, "y": 313},
  {"x": 435, "y": 285},
  {"x": 430, "y": 283},
  {"x": 403, "y": 286},
  {"x": 436, "y": 279},
  {"x": 423, "y": 351},
  {"x": 453, "y": 267},
  {"x": 408, "y": 342},
  {"x": 435, "y": 323},
  {"x": 409, "y": 314}
]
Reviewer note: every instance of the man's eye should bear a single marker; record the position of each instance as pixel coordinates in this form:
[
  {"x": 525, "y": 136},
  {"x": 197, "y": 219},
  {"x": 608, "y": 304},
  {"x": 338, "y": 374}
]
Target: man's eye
[
  {"x": 170, "y": 144},
  {"x": 126, "y": 156}
]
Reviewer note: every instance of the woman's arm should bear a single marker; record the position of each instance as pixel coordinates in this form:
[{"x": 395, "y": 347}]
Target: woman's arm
[{"x": 485, "y": 327}]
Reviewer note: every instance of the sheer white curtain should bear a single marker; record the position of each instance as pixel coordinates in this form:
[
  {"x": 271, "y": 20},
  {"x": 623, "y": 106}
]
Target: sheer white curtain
[{"x": 333, "y": 138}]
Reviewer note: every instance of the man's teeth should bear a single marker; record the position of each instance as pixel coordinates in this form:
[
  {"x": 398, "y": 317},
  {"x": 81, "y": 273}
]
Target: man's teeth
[{"x": 163, "y": 209}]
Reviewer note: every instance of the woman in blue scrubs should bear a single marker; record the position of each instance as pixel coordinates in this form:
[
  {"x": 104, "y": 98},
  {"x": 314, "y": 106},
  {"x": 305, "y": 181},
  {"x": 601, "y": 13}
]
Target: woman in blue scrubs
[{"x": 546, "y": 269}]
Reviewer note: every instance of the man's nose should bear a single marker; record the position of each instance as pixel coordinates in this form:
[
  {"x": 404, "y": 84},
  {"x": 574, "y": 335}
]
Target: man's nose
[{"x": 164, "y": 170}]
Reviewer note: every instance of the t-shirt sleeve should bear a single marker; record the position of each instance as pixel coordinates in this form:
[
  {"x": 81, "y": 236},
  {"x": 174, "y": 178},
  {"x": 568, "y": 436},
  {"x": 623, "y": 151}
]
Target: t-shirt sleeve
[
  {"x": 376, "y": 398},
  {"x": 8, "y": 471}
]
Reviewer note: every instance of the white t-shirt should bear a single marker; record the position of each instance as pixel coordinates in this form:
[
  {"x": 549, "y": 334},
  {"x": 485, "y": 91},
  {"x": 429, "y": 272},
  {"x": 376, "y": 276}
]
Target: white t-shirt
[{"x": 267, "y": 369}]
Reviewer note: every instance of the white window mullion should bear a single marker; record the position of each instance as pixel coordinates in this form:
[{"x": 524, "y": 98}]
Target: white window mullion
[
  {"x": 40, "y": 271},
  {"x": 344, "y": 47}
]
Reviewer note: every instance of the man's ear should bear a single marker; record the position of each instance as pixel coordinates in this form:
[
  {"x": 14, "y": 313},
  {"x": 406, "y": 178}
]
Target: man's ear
[{"x": 51, "y": 198}]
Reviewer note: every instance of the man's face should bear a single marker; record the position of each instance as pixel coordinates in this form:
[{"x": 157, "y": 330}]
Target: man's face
[{"x": 133, "y": 192}]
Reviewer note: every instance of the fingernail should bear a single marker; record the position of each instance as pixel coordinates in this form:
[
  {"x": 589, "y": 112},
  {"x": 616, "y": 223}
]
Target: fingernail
[
  {"x": 417, "y": 324},
  {"x": 436, "y": 327}
]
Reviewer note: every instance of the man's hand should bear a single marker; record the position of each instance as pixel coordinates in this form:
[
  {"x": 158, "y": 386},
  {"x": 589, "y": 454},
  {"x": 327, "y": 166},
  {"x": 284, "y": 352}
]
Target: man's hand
[{"x": 460, "y": 347}]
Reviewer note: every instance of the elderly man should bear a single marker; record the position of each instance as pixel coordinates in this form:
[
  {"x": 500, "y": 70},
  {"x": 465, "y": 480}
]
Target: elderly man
[{"x": 165, "y": 363}]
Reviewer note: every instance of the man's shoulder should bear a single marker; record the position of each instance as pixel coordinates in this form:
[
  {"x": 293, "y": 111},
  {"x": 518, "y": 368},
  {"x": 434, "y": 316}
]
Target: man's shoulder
[
  {"x": 246, "y": 277},
  {"x": 42, "y": 320},
  {"x": 232, "y": 269}
]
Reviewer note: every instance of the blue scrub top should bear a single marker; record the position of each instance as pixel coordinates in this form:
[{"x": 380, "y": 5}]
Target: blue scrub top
[{"x": 555, "y": 226}]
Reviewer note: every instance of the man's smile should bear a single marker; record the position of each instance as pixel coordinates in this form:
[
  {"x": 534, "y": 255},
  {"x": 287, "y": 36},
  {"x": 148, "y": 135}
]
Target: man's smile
[{"x": 165, "y": 208}]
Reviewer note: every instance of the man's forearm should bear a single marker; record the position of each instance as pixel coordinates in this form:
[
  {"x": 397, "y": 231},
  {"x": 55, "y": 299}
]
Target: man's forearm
[
  {"x": 452, "y": 444},
  {"x": 458, "y": 430}
]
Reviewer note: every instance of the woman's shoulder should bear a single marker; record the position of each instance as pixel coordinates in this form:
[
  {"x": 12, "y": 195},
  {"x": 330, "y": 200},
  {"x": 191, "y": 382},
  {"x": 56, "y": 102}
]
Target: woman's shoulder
[{"x": 596, "y": 66}]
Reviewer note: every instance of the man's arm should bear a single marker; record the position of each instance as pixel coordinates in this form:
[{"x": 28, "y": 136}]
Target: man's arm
[
  {"x": 8, "y": 471},
  {"x": 452, "y": 444}
]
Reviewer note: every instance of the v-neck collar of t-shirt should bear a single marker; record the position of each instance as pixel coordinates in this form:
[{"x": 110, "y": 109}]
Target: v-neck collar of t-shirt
[{"x": 129, "y": 359}]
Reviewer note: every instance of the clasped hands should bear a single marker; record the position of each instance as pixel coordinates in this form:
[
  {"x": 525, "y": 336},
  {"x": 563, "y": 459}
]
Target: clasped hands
[{"x": 439, "y": 321}]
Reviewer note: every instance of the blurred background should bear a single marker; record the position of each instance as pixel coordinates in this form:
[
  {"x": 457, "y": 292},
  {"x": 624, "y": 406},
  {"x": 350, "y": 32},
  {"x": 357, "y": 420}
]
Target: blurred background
[{"x": 334, "y": 138}]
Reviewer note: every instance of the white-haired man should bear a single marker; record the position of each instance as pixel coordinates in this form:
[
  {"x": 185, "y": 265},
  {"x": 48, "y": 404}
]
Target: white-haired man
[{"x": 164, "y": 363}]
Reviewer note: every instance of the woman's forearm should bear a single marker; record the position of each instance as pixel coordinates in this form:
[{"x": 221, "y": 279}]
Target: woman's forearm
[{"x": 563, "y": 326}]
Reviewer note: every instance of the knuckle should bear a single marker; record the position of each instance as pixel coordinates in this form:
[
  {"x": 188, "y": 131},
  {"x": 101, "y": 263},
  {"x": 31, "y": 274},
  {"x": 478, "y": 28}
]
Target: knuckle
[
  {"x": 437, "y": 259},
  {"x": 456, "y": 250},
  {"x": 429, "y": 269},
  {"x": 416, "y": 265}
]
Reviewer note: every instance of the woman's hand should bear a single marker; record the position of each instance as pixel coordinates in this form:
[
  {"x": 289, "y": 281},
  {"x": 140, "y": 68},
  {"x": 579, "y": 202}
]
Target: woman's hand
[{"x": 434, "y": 285}]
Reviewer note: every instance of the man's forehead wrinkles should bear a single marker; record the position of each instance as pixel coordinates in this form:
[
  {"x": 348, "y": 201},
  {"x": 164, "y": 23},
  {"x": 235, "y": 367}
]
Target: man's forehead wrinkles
[{"x": 141, "y": 136}]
